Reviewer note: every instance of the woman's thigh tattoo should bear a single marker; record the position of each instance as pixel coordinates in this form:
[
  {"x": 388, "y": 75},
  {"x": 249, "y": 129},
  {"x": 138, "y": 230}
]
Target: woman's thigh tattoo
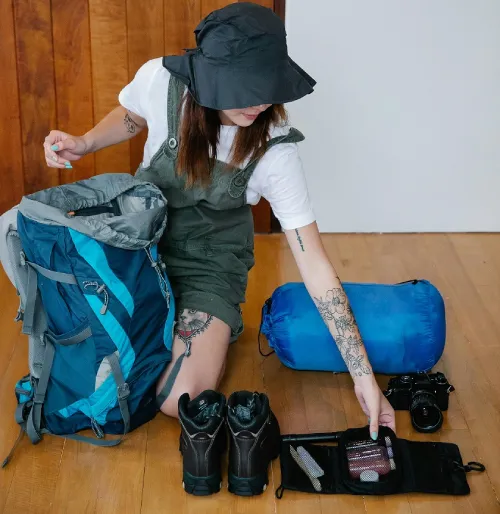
[{"x": 191, "y": 323}]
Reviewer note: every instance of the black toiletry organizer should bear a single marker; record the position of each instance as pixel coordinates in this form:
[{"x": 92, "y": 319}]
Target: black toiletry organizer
[{"x": 426, "y": 467}]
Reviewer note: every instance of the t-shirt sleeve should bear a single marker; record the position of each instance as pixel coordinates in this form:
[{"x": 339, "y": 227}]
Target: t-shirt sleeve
[
  {"x": 284, "y": 186},
  {"x": 134, "y": 96}
]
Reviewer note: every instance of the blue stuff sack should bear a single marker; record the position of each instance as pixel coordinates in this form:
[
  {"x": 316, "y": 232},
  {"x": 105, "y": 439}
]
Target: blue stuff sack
[{"x": 403, "y": 327}]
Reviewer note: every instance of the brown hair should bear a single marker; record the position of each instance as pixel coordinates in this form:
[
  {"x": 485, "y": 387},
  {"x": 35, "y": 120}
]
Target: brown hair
[{"x": 199, "y": 134}]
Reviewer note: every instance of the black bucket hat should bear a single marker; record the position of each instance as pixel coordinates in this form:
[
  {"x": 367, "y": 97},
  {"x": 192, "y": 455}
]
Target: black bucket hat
[{"x": 241, "y": 60}]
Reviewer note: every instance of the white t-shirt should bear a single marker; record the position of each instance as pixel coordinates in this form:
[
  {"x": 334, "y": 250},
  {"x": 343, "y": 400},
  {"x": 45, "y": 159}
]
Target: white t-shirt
[{"x": 278, "y": 177}]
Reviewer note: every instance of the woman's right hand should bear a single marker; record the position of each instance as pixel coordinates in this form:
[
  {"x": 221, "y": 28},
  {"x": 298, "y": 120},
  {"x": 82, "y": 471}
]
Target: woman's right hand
[{"x": 61, "y": 148}]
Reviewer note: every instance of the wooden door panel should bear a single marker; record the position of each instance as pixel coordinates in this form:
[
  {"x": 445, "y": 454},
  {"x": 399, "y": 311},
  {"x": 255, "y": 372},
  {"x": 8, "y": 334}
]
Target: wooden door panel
[
  {"x": 181, "y": 18},
  {"x": 63, "y": 66},
  {"x": 36, "y": 89},
  {"x": 108, "y": 32},
  {"x": 12, "y": 176},
  {"x": 73, "y": 77},
  {"x": 143, "y": 45}
]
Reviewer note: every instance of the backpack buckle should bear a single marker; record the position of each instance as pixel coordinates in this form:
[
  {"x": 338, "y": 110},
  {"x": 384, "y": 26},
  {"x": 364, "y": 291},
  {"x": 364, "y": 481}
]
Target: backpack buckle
[
  {"x": 19, "y": 315},
  {"x": 22, "y": 258},
  {"x": 123, "y": 391},
  {"x": 96, "y": 429}
]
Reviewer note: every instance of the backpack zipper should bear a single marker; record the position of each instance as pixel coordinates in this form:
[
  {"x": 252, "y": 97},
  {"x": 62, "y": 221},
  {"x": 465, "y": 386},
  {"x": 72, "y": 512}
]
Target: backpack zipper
[
  {"x": 100, "y": 290},
  {"x": 159, "y": 267}
]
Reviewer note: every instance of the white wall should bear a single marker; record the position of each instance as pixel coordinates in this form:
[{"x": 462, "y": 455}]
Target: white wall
[{"x": 403, "y": 129}]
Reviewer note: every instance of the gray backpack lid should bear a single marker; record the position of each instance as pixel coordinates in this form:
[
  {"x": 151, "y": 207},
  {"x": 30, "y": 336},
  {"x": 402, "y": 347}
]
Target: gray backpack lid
[{"x": 139, "y": 208}]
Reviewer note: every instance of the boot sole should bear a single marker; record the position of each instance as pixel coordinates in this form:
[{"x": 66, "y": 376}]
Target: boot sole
[{"x": 201, "y": 486}]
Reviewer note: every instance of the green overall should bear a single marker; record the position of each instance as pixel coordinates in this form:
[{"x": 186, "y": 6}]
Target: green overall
[{"x": 208, "y": 244}]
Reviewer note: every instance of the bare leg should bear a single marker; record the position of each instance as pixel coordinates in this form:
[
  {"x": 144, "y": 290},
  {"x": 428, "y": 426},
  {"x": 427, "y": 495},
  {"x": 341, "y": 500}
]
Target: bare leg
[{"x": 208, "y": 339}]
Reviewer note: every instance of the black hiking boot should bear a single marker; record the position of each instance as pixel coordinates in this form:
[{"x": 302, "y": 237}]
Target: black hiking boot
[
  {"x": 254, "y": 442},
  {"x": 203, "y": 441}
]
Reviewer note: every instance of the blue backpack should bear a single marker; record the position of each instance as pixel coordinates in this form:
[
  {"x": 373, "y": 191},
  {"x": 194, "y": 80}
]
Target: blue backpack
[{"x": 96, "y": 304}]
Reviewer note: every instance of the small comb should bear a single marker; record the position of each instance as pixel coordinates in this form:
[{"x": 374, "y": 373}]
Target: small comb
[
  {"x": 314, "y": 481},
  {"x": 313, "y": 467}
]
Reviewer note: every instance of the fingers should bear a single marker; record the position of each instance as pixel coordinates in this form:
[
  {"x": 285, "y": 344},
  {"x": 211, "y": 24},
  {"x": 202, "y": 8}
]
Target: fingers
[
  {"x": 54, "y": 143},
  {"x": 50, "y": 156},
  {"x": 67, "y": 144},
  {"x": 52, "y": 159},
  {"x": 374, "y": 424},
  {"x": 387, "y": 414}
]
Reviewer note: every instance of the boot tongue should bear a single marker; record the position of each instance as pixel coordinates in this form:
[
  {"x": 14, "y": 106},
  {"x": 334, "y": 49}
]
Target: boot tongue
[
  {"x": 201, "y": 411},
  {"x": 246, "y": 410}
]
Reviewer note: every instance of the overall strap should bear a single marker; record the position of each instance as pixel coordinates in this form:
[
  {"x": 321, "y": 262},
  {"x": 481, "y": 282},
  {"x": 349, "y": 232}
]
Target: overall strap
[
  {"x": 175, "y": 93},
  {"x": 239, "y": 182}
]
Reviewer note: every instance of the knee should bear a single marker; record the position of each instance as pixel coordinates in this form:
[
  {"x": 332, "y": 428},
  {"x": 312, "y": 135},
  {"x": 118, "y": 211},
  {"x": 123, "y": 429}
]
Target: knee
[{"x": 170, "y": 406}]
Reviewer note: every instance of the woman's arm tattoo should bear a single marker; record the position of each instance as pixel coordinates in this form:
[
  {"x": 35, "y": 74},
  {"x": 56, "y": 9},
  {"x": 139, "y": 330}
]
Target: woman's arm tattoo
[
  {"x": 130, "y": 124},
  {"x": 299, "y": 239},
  {"x": 335, "y": 307}
]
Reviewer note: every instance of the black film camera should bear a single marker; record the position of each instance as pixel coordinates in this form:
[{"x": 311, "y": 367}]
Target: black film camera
[{"x": 424, "y": 395}]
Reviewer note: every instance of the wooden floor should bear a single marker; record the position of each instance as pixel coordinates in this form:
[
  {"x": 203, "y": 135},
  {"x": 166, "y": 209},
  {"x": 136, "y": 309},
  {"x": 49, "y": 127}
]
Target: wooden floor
[{"x": 143, "y": 474}]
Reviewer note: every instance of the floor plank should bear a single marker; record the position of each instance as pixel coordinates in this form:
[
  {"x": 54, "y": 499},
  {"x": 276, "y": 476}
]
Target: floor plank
[
  {"x": 108, "y": 480},
  {"x": 475, "y": 395},
  {"x": 29, "y": 481},
  {"x": 144, "y": 474}
]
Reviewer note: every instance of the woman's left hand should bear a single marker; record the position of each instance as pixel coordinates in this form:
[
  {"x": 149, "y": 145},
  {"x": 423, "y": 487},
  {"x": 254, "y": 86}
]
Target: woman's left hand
[
  {"x": 325, "y": 288},
  {"x": 374, "y": 404}
]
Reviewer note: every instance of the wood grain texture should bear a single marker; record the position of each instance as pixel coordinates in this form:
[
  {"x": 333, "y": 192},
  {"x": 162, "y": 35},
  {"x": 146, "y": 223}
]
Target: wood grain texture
[
  {"x": 36, "y": 89},
  {"x": 264, "y": 3},
  {"x": 73, "y": 76},
  {"x": 262, "y": 217},
  {"x": 106, "y": 483},
  {"x": 181, "y": 18},
  {"x": 12, "y": 177},
  {"x": 108, "y": 33},
  {"x": 65, "y": 64},
  {"x": 146, "y": 40},
  {"x": 13, "y": 355},
  {"x": 144, "y": 475},
  {"x": 28, "y": 483},
  {"x": 279, "y": 8},
  {"x": 207, "y": 6}
]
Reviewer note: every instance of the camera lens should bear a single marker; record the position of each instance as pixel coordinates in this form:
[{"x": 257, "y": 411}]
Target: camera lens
[{"x": 426, "y": 416}]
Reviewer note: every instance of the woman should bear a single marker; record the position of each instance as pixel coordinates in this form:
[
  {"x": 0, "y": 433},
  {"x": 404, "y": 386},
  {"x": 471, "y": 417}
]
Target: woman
[{"x": 214, "y": 148}]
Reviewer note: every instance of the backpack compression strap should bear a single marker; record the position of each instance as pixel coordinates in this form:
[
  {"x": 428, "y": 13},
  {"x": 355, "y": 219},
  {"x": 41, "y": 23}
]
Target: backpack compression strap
[
  {"x": 31, "y": 291},
  {"x": 123, "y": 392},
  {"x": 33, "y": 423}
]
